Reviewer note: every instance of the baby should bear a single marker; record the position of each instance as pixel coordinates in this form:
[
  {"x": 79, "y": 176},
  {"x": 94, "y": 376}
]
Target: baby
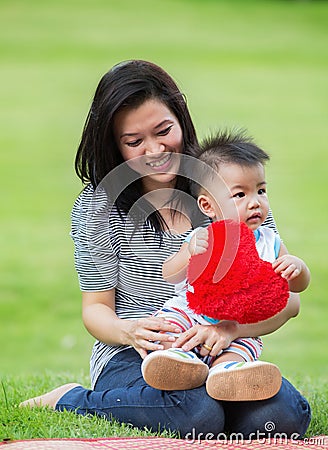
[{"x": 235, "y": 189}]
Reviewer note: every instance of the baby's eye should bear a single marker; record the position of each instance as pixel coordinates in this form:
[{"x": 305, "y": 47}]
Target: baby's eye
[
  {"x": 239, "y": 195},
  {"x": 133, "y": 143},
  {"x": 165, "y": 131},
  {"x": 262, "y": 191}
]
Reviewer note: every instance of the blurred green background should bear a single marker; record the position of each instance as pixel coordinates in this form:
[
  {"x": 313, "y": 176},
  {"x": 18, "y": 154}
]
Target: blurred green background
[{"x": 256, "y": 64}]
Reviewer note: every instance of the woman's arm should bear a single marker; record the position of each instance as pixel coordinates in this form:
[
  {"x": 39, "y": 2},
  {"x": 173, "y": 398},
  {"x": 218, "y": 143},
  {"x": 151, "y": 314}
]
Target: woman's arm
[
  {"x": 273, "y": 323},
  {"x": 100, "y": 319},
  {"x": 221, "y": 335}
]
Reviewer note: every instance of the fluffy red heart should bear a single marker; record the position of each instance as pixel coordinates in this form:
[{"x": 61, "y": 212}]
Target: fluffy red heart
[{"x": 230, "y": 281}]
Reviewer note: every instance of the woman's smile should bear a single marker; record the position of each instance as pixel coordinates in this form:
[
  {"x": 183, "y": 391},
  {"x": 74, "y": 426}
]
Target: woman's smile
[
  {"x": 162, "y": 163},
  {"x": 150, "y": 135}
]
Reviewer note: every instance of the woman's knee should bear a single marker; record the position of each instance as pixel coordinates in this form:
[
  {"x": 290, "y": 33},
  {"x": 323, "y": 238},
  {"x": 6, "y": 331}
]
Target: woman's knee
[
  {"x": 286, "y": 414},
  {"x": 123, "y": 370}
]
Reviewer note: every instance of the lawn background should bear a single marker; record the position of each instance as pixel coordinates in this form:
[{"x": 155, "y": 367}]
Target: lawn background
[{"x": 259, "y": 65}]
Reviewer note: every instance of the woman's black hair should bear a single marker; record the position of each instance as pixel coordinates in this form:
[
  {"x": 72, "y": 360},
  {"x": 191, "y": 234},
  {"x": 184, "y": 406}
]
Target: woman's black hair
[{"x": 128, "y": 85}]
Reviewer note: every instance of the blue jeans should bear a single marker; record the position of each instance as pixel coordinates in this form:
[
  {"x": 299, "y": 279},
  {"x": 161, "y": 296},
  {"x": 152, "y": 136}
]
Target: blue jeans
[{"x": 122, "y": 394}]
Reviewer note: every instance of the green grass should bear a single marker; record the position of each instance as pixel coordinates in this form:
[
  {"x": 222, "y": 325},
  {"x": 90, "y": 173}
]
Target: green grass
[
  {"x": 257, "y": 64},
  {"x": 24, "y": 423},
  {"x": 41, "y": 423}
]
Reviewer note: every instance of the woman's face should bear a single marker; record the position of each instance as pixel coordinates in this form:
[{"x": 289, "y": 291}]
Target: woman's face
[{"x": 150, "y": 139}]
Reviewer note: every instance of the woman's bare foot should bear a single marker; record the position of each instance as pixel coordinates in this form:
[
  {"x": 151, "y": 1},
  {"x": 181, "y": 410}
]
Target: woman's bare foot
[{"x": 50, "y": 398}]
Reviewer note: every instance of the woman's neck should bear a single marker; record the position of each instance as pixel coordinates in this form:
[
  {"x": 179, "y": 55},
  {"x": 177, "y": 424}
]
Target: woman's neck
[
  {"x": 151, "y": 185},
  {"x": 160, "y": 196}
]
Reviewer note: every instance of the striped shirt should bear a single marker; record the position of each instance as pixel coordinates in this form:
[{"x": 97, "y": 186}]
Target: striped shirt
[{"x": 110, "y": 252}]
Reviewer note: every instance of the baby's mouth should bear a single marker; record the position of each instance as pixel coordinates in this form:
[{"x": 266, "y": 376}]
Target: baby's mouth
[
  {"x": 160, "y": 162},
  {"x": 255, "y": 216}
]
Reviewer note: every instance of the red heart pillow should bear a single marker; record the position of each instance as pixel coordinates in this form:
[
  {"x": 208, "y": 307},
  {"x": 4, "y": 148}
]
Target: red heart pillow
[{"x": 230, "y": 281}]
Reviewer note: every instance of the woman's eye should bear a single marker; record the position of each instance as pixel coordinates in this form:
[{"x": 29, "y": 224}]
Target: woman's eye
[
  {"x": 133, "y": 143},
  {"x": 239, "y": 195},
  {"x": 165, "y": 131}
]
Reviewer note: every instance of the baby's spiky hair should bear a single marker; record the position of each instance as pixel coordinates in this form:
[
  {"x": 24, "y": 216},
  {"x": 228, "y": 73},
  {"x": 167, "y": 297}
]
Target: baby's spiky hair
[{"x": 226, "y": 147}]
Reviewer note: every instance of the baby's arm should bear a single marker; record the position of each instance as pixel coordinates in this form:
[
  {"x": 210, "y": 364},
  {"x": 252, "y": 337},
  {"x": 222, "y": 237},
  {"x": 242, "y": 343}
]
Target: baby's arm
[
  {"x": 175, "y": 267},
  {"x": 293, "y": 269}
]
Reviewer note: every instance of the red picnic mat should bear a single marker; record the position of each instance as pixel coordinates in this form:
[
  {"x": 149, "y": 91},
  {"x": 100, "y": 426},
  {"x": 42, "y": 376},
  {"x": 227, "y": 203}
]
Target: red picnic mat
[{"x": 157, "y": 443}]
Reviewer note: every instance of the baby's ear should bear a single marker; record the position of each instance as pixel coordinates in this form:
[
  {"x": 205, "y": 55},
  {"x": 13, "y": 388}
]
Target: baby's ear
[{"x": 206, "y": 205}]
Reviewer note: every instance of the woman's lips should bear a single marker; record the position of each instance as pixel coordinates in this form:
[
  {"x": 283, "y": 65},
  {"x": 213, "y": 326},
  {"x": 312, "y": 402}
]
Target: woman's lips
[{"x": 160, "y": 164}]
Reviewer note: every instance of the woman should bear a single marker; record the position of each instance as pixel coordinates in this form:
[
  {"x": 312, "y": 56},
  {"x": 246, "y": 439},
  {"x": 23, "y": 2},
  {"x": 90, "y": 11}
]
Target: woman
[{"x": 134, "y": 212}]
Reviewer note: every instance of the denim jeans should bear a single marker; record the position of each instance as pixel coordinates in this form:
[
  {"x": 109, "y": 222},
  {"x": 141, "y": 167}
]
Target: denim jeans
[{"x": 122, "y": 394}]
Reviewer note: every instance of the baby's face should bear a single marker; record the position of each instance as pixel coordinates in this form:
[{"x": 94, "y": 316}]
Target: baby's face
[{"x": 242, "y": 196}]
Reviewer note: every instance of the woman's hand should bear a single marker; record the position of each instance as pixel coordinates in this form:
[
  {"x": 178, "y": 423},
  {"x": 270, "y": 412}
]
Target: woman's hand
[
  {"x": 214, "y": 338},
  {"x": 101, "y": 321},
  {"x": 148, "y": 334}
]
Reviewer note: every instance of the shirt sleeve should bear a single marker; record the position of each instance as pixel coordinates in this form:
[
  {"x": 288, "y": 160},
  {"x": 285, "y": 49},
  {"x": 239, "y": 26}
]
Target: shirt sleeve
[{"x": 96, "y": 258}]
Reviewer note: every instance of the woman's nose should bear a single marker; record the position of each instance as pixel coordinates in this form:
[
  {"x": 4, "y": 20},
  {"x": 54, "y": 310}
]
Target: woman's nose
[{"x": 152, "y": 147}]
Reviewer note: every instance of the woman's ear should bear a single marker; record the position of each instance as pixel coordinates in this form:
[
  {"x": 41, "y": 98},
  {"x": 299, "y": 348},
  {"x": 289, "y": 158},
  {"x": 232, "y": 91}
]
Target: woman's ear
[{"x": 206, "y": 205}]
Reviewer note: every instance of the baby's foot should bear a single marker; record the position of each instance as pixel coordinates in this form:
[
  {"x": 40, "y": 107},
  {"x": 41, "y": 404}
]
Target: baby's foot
[
  {"x": 50, "y": 398},
  {"x": 243, "y": 381},
  {"x": 173, "y": 370}
]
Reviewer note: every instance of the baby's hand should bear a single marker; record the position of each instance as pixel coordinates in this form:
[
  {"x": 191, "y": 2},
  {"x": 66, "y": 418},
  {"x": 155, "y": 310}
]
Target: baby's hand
[
  {"x": 288, "y": 266},
  {"x": 199, "y": 242}
]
